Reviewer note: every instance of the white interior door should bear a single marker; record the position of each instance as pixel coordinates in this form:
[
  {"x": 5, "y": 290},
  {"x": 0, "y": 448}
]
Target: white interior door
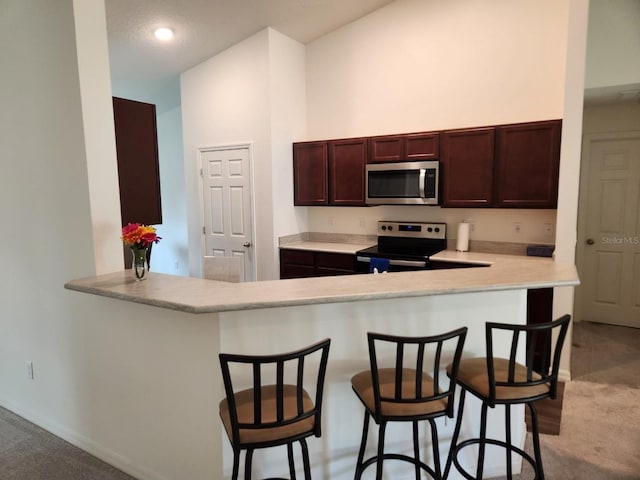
[
  {"x": 609, "y": 242},
  {"x": 227, "y": 205}
]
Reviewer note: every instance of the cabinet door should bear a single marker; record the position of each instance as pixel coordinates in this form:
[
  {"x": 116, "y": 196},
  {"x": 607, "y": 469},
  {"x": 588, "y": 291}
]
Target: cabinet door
[
  {"x": 539, "y": 310},
  {"x": 328, "y": 263},
  {"x": 527, "y": 165},
  {"x": 347, "y": 160},
  {"x": 138, "y": 169},
  {"x": 422, "y": 146},
  {"x": 310, "y": 186},
  {"x": 388, "y": 148},
  {"x": 297, "y": 264},
  {"x": 406, "y": 147},
  {"x": 466, "y": 167}
]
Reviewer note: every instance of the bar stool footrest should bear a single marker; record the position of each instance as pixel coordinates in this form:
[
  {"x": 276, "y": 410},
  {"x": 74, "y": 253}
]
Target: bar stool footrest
[
  {"x": 490, "y": 441},
  {"x": 396, "y": 456}
]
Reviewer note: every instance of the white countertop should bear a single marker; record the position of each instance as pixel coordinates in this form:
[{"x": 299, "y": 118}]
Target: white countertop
[
  {"x": 332, "y": 247},
  {"x": 454, "y": 256},
  {"x": 196, "y": 295}
]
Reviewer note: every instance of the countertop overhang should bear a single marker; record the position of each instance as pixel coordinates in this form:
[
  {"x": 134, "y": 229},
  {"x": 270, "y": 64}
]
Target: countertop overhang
[{"x": 197, "y": 295}]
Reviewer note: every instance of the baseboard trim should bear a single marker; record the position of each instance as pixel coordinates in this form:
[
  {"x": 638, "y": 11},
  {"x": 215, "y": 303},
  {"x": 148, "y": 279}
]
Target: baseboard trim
[{"x": 74, "y": 438}]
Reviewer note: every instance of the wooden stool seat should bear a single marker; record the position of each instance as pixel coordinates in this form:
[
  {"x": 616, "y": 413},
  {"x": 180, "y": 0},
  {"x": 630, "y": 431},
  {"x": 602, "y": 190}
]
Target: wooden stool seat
[
  {"x": 407, "y": 391},
  {"x": 503, "y": 381},
  {"x": 271, "y": 414}
]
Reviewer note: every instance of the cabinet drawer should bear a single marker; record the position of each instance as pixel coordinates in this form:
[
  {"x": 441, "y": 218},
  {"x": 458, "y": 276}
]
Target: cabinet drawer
[
  {"x": 338, "y": 261},
  {"x": 291, "y": 270},
  {"x": 298, "y": 257}
]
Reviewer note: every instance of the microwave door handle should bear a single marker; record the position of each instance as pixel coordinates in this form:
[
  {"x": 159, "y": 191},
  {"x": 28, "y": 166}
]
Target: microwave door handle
[{"x": 423, "y": 172}]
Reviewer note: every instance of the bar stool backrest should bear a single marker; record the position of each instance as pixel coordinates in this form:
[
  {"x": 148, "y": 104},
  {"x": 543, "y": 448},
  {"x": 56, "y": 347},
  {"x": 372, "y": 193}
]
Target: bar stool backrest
[
  {"x": 425, "y": 355},
  {"x": 308, "y": 363},
  {"x": 537, "y": 335}
]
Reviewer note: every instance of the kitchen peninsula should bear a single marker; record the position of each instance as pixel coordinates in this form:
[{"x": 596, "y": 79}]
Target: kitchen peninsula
[{"x": 282, "y": 315}]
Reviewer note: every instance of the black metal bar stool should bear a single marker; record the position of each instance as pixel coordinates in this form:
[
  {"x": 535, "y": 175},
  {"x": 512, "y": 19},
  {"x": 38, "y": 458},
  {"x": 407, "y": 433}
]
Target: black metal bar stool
[
  {"x": 407, "y": 391},
  {"x": 274, "y": 413},
  {"x": 503, "y": 381}
]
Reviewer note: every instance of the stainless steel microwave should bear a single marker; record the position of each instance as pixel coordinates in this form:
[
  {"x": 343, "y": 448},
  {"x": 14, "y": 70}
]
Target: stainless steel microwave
[{"x": 402, "y": 183}]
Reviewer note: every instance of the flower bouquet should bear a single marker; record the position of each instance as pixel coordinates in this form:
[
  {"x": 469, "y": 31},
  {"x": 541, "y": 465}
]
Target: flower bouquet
[{"x": 139, "y": 238}]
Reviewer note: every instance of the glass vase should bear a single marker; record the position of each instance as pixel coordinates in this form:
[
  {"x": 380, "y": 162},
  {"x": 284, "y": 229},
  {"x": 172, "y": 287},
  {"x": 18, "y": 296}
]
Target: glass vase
[{"x": 140, "y": 266}]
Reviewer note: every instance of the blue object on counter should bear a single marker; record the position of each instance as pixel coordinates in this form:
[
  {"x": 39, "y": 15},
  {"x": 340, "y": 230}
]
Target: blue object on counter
[
  {"x": 382, "y": 264},
  {"x": 540, "y": 250}
]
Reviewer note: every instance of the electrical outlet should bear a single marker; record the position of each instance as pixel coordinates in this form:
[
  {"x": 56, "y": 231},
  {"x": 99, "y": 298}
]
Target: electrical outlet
[
  {"x": 517, "y": 228},
  {"x": 363, "y": 223},
  {"x": 29, "y": 370},
  {"x": 548, "y": 228},
  {"x": 331, "y": 221},
  {"x": 177, "y": 265},
  {"x": 472, "y": 227}
]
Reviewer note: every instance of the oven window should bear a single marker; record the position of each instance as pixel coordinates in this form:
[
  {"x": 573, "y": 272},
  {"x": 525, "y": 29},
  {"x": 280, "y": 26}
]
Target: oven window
[{"x": 394, "y": 184}]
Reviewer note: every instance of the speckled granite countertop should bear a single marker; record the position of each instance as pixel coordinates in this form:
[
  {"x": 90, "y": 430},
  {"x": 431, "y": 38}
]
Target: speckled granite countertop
[{"x": 196, "y": 295}]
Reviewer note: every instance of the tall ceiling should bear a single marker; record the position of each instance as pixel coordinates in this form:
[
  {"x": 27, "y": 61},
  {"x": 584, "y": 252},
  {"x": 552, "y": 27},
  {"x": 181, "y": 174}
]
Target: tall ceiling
[
  {"x": 141, "y": 66},
  {"x": 145, "y": 69}
]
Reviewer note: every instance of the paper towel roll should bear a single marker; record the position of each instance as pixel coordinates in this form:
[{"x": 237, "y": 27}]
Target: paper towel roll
[{"x": 462, "y": 242}]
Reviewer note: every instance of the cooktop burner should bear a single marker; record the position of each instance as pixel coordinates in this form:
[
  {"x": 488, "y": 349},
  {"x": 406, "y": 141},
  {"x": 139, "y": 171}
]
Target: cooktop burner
[{"x": 407, "y": 240}]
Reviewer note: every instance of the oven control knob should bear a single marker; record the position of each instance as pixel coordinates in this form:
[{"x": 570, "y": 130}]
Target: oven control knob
[
  {"x": 384, "y": 227},
  {"x": 429, "y": 229},
  {"x": 390, "y": 227},
  {"x": 437, "y": 229}
]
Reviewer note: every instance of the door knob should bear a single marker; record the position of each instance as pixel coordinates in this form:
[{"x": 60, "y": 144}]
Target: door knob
[
  {"x": 590, "y": 241},
  {"x": 246, "y": 244}
]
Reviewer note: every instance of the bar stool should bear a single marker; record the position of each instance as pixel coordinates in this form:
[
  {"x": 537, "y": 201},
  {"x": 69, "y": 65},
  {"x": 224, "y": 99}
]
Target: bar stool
[
  {"x": 407, "y": 391},
  {"x": 273, "y": 413},
  {"x": 502, "y": 381}
]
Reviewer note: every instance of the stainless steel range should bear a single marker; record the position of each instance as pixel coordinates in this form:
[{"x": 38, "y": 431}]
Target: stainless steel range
[{"x": 403, "y": 246}]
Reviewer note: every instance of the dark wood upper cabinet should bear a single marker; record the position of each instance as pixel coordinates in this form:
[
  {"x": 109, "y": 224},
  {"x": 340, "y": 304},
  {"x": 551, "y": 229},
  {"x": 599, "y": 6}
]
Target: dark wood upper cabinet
[
  {"x": 310, "y": 173},
  {"x": 466, "y": 167},
  {"x": 422, "y": 146},
  {"x": 512, "y": 166},
  {"x": 138, "y": 168},
  {"x": 347, "y": 160},
  {"x": 527, "y": 165},
  {"x": 402, "y": 148},
  {"x": 388, "y": 148},
  {"x": 330, "y": 172}
]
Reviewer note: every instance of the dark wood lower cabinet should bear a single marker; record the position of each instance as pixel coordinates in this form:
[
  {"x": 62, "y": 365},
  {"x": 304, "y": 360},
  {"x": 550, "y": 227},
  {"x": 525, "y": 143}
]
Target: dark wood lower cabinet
[
  {"x": 305, "y": 263},
  {"x": 539, "y": 310}
]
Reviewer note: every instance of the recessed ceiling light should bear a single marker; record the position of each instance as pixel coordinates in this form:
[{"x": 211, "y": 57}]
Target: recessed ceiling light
[{"x": 163, "y": 33}]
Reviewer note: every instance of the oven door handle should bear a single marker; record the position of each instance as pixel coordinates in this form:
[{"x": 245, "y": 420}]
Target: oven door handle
[
  {"x": 423, "y": 172},
  {"x": 402, "y": 263}
]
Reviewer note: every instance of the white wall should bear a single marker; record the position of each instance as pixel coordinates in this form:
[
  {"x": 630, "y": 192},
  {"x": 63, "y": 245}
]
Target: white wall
[
  {"x": 569, "y": 182},
  {"x": 171, "y": 255},
  {"x": 252, "y": 92},
  {"x": 419, "y": 66},
  {"x": 288, "y": 123},
  {"x": 99, "y": 140},
  {"x": 125, "y": 382},
  {"x": 44, "y": 198},
  {"x": 613, "y": 45},
  {"x": 225, "y": 100},
  {"x": 621, "y": 117},
  {"x": 488, "y": 224}
]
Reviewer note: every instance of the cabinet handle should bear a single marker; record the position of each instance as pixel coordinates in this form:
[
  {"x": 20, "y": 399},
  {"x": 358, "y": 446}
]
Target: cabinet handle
[
  {"x": 590, "y": 241},
  {"x": 246, "y": 244}
]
